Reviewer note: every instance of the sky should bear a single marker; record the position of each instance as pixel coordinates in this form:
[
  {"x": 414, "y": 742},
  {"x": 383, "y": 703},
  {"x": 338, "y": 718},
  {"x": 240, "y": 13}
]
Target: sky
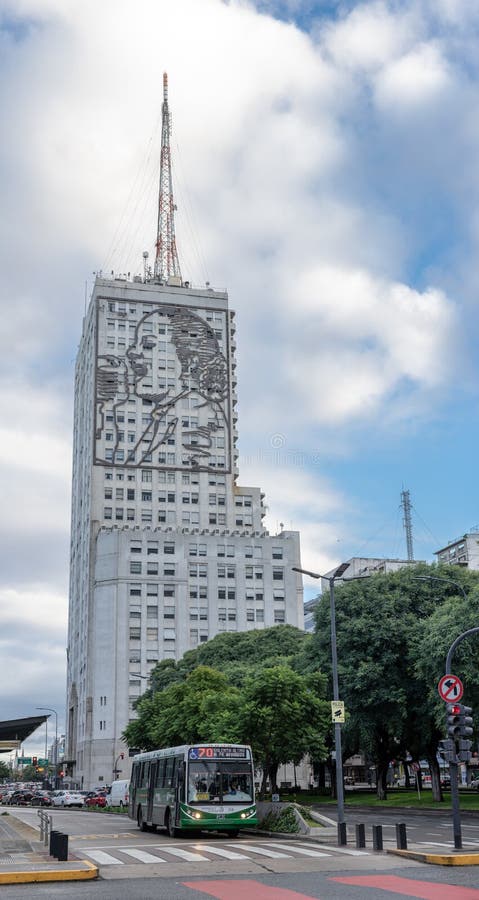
[{"x": 325, "y": 166}]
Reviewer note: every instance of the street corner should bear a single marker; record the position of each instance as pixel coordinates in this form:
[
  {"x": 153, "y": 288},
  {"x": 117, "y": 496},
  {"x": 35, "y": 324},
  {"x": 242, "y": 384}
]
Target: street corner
[
  {"x": 455, "y": 858},
  {"x": 74, "y": 870}
]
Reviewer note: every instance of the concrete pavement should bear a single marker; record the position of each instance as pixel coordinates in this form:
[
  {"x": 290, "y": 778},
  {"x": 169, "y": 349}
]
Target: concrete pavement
[{"x": 24, "y": 858}]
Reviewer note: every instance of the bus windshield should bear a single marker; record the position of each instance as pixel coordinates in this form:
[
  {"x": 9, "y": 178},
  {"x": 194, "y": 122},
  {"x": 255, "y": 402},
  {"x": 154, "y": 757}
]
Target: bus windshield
[{"x": 219, "y": 781}]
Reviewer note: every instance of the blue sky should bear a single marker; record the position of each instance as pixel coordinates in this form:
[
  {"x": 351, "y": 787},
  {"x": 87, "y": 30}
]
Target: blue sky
[{"x": 326, "y": 172}]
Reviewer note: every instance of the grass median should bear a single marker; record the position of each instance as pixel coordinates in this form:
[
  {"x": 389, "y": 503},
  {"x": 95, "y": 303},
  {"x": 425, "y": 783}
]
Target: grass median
[{"x": 396, "y": 797}]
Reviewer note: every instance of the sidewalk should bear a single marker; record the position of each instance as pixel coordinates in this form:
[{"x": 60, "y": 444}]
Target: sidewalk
[
  {"x": 24, "y": 858},
  {"x": 446, "y": 857}
]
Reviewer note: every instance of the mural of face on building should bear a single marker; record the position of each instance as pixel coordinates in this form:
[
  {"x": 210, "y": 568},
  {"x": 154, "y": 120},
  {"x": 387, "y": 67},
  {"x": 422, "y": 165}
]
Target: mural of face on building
[{"x": 175, "y": 374}]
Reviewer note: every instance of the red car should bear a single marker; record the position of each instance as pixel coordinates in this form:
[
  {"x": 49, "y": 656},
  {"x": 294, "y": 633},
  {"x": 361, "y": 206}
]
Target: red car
[{"x": 97, "y": 800}]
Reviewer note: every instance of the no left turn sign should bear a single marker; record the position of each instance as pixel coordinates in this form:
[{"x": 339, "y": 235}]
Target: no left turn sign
[{"x": 450, "y": 688}]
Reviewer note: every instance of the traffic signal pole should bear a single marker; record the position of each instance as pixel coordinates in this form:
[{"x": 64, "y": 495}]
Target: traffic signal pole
[{"x": 454, "y": 764}]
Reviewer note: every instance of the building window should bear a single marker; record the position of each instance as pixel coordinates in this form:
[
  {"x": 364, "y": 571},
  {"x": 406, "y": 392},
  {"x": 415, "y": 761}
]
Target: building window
[
  {"x": 146, "y": 475},
  {"x": 135, "y": 567},
  {"x": 152, "y": 568},
  {"x": 277, "y": 552},
  {"x": 169, "y": 548},
  {"x": 278, "y": 574},
  {"x": 135, "y": 590}
]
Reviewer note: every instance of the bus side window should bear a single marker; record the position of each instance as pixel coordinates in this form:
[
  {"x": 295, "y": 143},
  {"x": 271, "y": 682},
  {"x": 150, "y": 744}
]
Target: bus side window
[
  {"x": 160, "y": 773},
  {"x": 145, "y": 771},
  {"x": 170, "y": 762}
]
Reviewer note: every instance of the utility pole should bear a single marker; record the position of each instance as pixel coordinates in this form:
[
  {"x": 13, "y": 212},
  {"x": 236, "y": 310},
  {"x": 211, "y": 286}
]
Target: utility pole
[
  {"x": 407, "y": 522},
  {"x": 166, "y": 261}
]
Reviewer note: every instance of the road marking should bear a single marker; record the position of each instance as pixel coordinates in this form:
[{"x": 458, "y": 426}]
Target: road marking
[
  {"x": 185, "y": 854},
  {"x": 425, "y": 890},
  {"x": 238, "y": 890},
  {"x": 303, "y": 851},
  {"x": 141, "y": 855},
  {"x": 262, "y": 851},
  {"x": 345, "y": 850},
  {"x": 105, "y": 859},
  {"x": 220, "y": 851}
]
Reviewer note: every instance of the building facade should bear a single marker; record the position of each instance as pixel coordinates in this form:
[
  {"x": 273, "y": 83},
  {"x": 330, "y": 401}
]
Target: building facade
[
  {"x": 167, "y": 550},
  {"x": 463, "y": 551}
]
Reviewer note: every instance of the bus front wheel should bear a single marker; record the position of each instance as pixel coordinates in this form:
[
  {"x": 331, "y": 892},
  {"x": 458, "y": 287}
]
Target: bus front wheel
[
  {"x": 141, "y": 822},
  {"x": 172, "y": 831}
]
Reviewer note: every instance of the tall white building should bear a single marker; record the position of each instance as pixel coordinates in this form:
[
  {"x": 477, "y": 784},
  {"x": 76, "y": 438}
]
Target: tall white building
[{"x": 167, "y": 550}]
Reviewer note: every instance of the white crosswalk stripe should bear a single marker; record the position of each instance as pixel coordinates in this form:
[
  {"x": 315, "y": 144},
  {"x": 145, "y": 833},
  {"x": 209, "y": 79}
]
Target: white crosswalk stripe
[
  {"x": 220, "y": 851},
  {"x": 262, "y": 851},
  {"x": 205, "y": 852},
  {"x": 303, "y": 851},
  {"x": 187, "y": 855},
  {"x": 346, "y": 850},
  {"x": 141, "y": 855},
  {"x": 105, "y": 859}
]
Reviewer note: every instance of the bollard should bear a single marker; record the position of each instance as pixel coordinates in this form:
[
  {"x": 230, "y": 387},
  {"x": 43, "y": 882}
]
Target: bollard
[
  {"x": 377, "y": 837},
  {"x": 401, "y": 838},
  {"x": 53, "y": 843},
  {"x": 62, "y": 847},
  {"x": 360, "y": 836},
  {"x": 342, "y": 834}
]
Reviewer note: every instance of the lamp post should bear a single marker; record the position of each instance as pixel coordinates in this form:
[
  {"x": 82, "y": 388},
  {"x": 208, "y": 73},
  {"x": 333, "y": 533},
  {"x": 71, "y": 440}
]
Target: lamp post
[
  {"x": 48, "y": 709},
  {"x": 342, "y": 838}
]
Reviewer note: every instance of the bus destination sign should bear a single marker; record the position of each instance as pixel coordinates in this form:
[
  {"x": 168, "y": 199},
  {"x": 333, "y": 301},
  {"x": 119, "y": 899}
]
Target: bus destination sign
[{"x": 219, "y": 753}]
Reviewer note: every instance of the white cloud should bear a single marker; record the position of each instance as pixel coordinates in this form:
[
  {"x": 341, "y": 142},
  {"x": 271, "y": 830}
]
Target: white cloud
[
  {"x": 416, "y": 80},
  {"x": 290, "y": 160}
]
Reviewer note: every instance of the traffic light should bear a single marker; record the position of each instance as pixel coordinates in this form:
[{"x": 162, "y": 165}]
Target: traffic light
[
  {"x": 447, "y": 750},
  {"x": 459, "y": 727},
  {"x": 453, "y": 720}
]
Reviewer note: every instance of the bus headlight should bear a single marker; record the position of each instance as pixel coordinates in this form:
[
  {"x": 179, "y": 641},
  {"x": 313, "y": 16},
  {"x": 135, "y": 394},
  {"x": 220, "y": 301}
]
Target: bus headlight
[
  {"x": 243, "y": 815},
  {"x": 197, "y": 815}
]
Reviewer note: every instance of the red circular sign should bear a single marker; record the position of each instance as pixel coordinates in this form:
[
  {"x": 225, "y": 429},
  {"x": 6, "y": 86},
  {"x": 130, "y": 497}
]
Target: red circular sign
[{"x": 450, "y": 688}]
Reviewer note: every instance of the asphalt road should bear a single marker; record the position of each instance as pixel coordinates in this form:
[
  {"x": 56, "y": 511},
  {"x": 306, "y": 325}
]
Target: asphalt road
[
  {"x": 139, "y": 866},
  {"x": 430, "y": 883}
]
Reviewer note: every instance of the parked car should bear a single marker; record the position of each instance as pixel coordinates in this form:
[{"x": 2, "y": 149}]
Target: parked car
[
  {"x": 41, "y": 798},
  {"x": 68, "y": 798},
  {"x": 96, "y": 800},
  {"x": 20, "y": 798}
]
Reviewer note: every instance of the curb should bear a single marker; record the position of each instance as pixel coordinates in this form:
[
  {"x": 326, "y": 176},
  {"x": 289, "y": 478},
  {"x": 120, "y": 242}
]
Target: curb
[
  {"x": 439, "y": 859},
  {"x": 22, "y": 877}
]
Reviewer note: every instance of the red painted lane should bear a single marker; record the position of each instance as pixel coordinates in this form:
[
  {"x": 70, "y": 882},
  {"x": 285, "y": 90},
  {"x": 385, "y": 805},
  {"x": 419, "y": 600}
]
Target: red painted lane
[
  {"x": 408, "y": 887},
  {"x": 238, "y": 890}
]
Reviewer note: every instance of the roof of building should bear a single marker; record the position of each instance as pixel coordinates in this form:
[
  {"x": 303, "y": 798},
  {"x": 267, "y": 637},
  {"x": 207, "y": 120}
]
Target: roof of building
[{"x": 20, "y": 729}]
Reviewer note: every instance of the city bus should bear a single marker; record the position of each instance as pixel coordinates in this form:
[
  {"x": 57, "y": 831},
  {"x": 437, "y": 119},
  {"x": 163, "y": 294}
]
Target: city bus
[{"x": 196, "y": 786}]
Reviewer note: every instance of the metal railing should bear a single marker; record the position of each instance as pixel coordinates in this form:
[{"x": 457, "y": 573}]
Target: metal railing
[{"x": 45, "y": 826}]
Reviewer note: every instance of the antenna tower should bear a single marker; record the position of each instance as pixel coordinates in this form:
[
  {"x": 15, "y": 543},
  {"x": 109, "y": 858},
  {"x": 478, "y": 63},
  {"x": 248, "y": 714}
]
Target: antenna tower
[
  {"x": 407, "y": 522},
  {"x": 166, "y": 260}
]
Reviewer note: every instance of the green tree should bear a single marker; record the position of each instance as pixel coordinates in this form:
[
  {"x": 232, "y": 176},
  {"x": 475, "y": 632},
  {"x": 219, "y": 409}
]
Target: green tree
[
  {"x": 283, "y": 717},
  {"x": 203, "y": 707},
  {"x": 5, "y": 772},
  {"x": 379, "y": 623}
]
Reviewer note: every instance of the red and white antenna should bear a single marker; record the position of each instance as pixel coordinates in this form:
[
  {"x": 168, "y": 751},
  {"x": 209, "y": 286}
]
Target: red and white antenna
[{"x": 166, "y": 261}]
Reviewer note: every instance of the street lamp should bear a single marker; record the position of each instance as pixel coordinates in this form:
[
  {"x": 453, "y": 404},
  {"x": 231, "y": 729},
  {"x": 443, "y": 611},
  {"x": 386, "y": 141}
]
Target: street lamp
[
  {"x": 342, "y": 839},
  {"x": 48, "y": 709}
]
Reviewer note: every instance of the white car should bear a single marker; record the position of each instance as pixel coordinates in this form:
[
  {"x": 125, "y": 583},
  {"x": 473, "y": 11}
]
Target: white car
[{"x": 68, "y": 798}]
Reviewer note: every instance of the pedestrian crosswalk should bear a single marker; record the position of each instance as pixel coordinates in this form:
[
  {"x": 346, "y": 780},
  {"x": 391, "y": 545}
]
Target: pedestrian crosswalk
[{"x": 200, "y": 852}]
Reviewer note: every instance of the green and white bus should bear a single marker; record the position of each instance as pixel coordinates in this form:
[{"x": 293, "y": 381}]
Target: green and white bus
[{"x": 197, "y": 786}]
